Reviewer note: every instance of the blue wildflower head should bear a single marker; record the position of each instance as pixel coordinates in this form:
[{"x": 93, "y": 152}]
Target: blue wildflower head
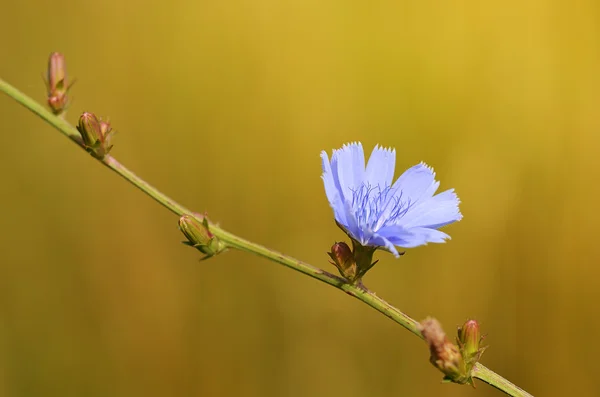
[{"x": 377, "y": 213}]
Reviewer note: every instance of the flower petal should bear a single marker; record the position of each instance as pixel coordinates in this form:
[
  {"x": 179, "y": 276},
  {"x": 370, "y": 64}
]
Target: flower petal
[
  {"x": 380, "y": 168},
  {"x": 331, "y": 191},
  {"x": 417, "y": 183},
  {"x": 413, "y": 237},
  {"x": 351, "y": 224},
  {"x": 440, "y": 210},
  {"x": 380, "y": 241},
  {"x": 429, "y": 235},
  {"x": 399, "y": 235},
  {"x": 330, "y": 188},
  {"x": 348, "y": 164}
]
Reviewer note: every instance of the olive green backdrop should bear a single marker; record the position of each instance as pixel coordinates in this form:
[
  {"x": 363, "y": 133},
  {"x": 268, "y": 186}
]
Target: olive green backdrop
[{"x": 225, "y": 105}]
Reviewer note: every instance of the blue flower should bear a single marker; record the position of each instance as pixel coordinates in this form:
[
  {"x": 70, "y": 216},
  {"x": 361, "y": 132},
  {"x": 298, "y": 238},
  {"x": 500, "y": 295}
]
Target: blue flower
[{"x": 376, "y": 213}]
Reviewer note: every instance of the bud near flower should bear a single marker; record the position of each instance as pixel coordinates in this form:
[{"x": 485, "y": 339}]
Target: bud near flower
[
  {"x": 343, "y": 259},
  {"x": 96, "y": 134},
  {"x": 57, "y": 83},
  {"x": 445, "y": 355},
  {"x": 200, "y": 237},
  {"x": 352, "y": 264}
]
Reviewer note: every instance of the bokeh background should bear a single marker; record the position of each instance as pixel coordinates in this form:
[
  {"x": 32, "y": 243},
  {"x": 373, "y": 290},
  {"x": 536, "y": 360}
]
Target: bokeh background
[{"x": 225, "y": 106}]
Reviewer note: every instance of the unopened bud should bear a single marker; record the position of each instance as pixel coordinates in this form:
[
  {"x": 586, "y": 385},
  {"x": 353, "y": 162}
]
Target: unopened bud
[
  {"x": 200, "y": 237},
  {"x": 96, "y": 134},
  {"x": 57, "y": 83},
  {"x": 445, "y": 355},
  {"x": 89, "y": 128},
  {"x": 57, "y": 73},
  {"x": 469, "y": 339},
  {"x": 343, "y": 259}
]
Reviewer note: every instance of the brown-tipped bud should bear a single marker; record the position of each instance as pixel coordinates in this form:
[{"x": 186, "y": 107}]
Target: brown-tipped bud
[
  {"x": 200, "y": 237},
  {"x": 343, "y": 259},
  {"x": 445, "y": 355},
  {"x": 57, "y": 83},
  {"x": 95, "y": 134}
]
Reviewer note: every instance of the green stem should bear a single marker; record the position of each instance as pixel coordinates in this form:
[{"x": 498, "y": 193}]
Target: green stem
[
  {"x": 55, "y": 121},
  {"x": 234, "y": 241},
  {"x": 493, "y": 379}
]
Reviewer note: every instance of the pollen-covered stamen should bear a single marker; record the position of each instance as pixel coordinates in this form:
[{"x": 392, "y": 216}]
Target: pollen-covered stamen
[{"x": 375, "y": 207}]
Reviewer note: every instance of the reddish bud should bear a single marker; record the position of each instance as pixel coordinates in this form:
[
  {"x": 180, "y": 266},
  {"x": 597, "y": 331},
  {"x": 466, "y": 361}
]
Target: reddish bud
[
  {"x": 343, "y": 259},
  {"x": 57, "y": 83}
]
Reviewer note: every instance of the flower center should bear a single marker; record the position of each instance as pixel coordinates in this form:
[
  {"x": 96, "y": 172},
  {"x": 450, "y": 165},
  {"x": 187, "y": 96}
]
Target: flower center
[{"x": 375, "y": 207}]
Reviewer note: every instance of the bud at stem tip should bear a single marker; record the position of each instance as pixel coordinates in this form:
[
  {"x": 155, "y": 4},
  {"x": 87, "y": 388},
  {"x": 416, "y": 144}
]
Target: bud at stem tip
[{"x": 57, "y": 83}]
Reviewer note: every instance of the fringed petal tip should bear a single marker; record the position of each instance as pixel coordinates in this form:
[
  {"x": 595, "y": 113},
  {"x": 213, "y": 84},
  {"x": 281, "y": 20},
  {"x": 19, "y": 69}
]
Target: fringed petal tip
[
  {"x": 451, "y": 196},
  {"x": 353, "y": 143},
  {"x": 428, "y": 167},
  {"x": 349, "y": 146},
  {"x": 379, "y": 147},
  {"x": 325, "y": 165}
]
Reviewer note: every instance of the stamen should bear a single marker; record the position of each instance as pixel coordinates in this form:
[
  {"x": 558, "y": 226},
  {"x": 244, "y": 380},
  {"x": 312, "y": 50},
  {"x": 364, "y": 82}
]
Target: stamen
[{"x": 371, "y": 205}]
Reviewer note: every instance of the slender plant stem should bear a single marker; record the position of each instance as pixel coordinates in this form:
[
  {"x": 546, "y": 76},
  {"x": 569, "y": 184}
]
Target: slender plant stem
[
  {"x": 359, "y": 292},
  {"x": 500, "y": 383}
]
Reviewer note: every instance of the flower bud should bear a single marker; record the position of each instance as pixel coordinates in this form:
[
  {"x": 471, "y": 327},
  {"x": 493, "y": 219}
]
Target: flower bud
[
  {"x": 199, "y": 236},
  {"x": 57, "y": 73},
  {"x": 96, "y": 134},
  {"x": 445, "y": 355},
  {"x": 57, "y": 83},
  {"x": 89, "y": 128},
  {"x": 343, "y": 259},
  {"x": 469, "y": 340}
]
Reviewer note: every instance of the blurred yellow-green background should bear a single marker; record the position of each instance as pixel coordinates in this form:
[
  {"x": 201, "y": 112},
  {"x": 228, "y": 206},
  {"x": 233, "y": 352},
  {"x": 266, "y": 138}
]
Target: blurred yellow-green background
[{"x": 225, "y": 106}]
